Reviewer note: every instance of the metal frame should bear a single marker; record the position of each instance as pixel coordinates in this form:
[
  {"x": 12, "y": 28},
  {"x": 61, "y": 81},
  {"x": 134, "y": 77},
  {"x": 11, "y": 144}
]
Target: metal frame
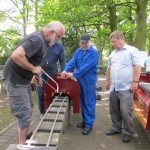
[
  {"x": 35, "y": 131},
  {"x": 50, "y": 136},
  {"x": 29, "y": 143},
  {"x": 57, "y": 86}
]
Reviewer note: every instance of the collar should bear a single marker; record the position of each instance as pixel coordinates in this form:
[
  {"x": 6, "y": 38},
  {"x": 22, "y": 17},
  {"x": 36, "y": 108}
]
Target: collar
[
  {"x": 42, "y": 32},
  {"x": 90, "y": 49},
  {"x": 56, "y": 44},
  {"x": 123, "y": 48}
]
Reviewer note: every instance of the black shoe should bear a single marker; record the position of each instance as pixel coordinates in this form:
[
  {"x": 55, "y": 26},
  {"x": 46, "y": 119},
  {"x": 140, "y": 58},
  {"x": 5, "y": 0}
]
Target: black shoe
[
  {"x": 80, "y": 125},
  {"x": 29, "y": 136},
  {"x": 86, "y": 131},
  {"x": 112, "y": 132},
  {"x": 126, "y": 138}
]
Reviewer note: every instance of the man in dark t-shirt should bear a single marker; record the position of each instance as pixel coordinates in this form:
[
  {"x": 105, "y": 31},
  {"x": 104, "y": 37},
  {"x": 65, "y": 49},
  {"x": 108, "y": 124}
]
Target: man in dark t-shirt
[{"x": 20, "y": 68}]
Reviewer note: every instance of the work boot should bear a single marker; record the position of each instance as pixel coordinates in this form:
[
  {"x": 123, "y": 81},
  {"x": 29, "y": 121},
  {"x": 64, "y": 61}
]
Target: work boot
[
  {"x": 126, "y": 138},
  {"x": 112, "y": 132},
  {"x": 86, "y": 131}
]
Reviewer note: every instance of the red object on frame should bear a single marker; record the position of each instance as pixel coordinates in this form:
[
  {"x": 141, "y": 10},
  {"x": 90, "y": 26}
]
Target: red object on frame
[
  {"x": 142, "y": 101},
  {"x": 68, "y": 87}
]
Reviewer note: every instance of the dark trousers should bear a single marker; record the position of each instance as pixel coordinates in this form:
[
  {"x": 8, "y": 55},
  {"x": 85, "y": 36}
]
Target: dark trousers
[
  {"x": 40, "y": 90},
  {"x": 121, "y": 109},
  {"x": 40, "y": 97}
]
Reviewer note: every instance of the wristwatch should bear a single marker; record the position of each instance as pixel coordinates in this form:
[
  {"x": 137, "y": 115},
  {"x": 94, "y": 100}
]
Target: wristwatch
[{"x": 135, "y": 81}]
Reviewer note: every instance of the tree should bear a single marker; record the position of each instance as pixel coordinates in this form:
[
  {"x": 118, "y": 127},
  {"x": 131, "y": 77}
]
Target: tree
[
  {"x": 99, "y": 18},
  {"x": 140, "y": 40},
  {"x": 20, "y": 14}
]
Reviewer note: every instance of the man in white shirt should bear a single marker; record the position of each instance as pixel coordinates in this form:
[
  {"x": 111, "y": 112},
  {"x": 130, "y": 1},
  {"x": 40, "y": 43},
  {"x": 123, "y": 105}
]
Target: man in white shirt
[{"x": 122, "y": 79}]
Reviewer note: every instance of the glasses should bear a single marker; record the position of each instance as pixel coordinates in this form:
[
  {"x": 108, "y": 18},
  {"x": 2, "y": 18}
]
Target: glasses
[{"x": 59, "y": 37}]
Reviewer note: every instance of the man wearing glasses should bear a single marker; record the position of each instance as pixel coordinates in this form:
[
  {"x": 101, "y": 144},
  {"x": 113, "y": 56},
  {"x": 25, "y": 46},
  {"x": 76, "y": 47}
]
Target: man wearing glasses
[
  {"x": 124, "y": 68},
  {"x": 20, "y": 68}
]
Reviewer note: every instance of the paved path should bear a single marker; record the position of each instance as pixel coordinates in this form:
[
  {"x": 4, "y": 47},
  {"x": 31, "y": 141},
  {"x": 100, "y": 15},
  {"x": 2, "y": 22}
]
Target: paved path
[{"x": 97, "y": 140}]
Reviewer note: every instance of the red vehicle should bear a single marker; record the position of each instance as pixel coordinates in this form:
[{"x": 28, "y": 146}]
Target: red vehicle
[{"x": 142, "y": 101}]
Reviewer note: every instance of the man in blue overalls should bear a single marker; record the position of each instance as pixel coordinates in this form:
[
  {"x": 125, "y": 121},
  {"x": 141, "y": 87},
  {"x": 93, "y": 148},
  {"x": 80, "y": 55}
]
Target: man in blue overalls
[{"x": 85, "y": 61}]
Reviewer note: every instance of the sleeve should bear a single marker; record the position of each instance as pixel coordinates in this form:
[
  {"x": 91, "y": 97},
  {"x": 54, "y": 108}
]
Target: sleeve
[
  {"x": 136, "y": 57},
  {"x": 32, "y": 46},
  {"x": 62, "y": 59},
  {"x": 109, "y": 62},
  {"x": 72, "y": 63},
  {"x": 145, "y": 62},
  {"x": 92, "y": 61}
]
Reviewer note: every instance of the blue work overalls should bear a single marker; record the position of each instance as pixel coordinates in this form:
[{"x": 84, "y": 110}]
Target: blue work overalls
[{"x": 86, "y": 63}]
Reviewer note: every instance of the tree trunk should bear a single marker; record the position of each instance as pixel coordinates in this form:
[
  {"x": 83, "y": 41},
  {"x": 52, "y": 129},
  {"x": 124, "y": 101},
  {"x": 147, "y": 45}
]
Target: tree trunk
[
  {"x": 99, "y": 45},
  {"x": 112, "y": 17},
  {"x": 130, "y": 36},
  {"x": 36, "y": 14},
  {"x": 140, "y": 40},
  {"x": 24, "y": 25}
]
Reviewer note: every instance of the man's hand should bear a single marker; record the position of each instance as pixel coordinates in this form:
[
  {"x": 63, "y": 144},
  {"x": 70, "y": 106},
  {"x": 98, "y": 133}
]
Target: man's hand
[
  {"x": 107, "y": 84},
  {"x": 37, "y": 81},
  {"x": 70, "y": 75},
  {"x": 133, "y": 86},
  {"x": 37, "y": 70},
  {"x": 64, "y": 75}
]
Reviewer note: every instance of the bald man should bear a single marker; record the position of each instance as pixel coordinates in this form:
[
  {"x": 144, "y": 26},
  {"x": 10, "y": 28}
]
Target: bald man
[{"x": 20, "y": 68}]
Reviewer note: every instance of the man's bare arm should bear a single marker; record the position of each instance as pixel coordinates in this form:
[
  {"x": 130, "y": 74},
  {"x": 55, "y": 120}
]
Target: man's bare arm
[
  {"x": 19, "y": 57},
  {"x": 136, "y": 76},
  {"x": 107, "y": 83}
]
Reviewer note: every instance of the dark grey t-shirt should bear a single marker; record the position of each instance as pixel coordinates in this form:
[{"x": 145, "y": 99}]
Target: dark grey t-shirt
[{"x": 35, "y": 47}]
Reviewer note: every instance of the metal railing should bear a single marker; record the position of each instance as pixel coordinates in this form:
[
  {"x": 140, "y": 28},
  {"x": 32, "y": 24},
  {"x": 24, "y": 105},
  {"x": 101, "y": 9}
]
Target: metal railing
[{"x": 47, "y": 126}]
